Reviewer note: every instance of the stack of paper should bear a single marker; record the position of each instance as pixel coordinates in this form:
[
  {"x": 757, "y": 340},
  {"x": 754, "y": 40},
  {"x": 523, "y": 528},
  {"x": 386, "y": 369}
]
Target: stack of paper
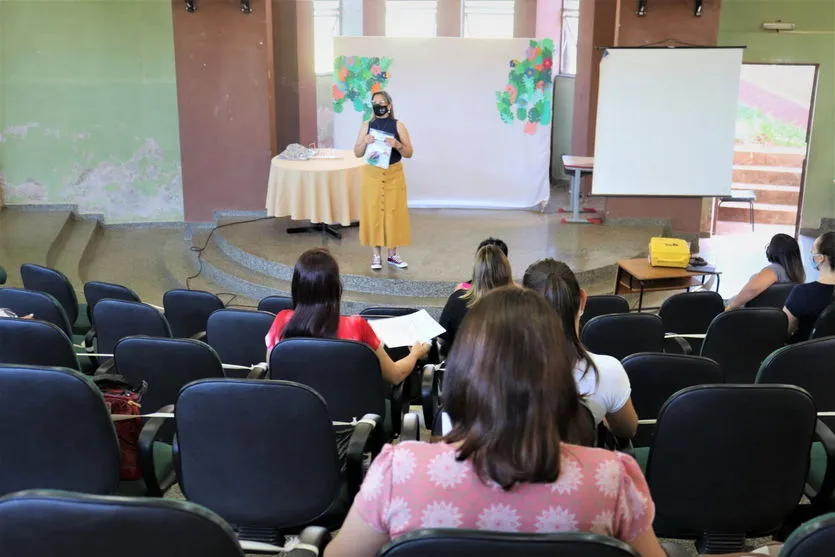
[
  {"x": 406, "y": 330},
  {"x": 378, "y": 153}
]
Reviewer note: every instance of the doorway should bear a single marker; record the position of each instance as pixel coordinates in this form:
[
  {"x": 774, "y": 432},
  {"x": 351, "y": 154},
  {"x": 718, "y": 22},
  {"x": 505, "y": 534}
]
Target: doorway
[{"x": 773, "y": 127}]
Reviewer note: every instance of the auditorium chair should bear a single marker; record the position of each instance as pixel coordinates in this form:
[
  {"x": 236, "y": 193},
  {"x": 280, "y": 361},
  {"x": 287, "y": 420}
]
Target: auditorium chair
[
  {"x": 275, "y": 304},
  {"x": 741, "y": 339},
  {"x": 809, "y": 365},
  {"x": 729, "y": 461},
  {"x": 815, "y": 538},
  {"x": 237, "y": 336},
  {"x": 40, "y": 305},
  {"x": 656, "y": 377},
  {"x": 774, "y": 296},
  {"x": 690, "y": 313},
  {"x": 114, "y": 320},
  {"x": 345, "y": 373},
  {"x": 37, "y": 343},
  {"x": 410, "y": 385},
  {"x": 620, "y": 335},
  {"x": 56, "y": 433},
  {"x": 188, "y": 311},
  {"x": 97, "y": 290},
  {"x": 54, "y": 282},
  {"x": 166, "y": 365},
  {"x": 3, "y": 275},
  {"x": 52, "y": 523},
  {"x": 263, "y": 455},
  {"x": 603, "y": 305},
  {"x": 825, "y": 323}
]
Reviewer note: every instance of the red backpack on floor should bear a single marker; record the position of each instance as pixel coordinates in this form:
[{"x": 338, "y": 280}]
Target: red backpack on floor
[{"x": 121, "y": 398}]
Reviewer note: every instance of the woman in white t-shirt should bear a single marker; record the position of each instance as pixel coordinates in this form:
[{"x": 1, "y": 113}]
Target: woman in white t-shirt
[{"x": 601, "y": 380}]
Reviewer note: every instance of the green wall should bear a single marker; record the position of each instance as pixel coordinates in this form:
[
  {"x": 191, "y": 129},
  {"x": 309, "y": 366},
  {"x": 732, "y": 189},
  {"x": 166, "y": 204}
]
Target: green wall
[
  {"x": 740, "y": 25},
  {"x": 562, "y": 126},
  {"x": 88, "y": 107}
]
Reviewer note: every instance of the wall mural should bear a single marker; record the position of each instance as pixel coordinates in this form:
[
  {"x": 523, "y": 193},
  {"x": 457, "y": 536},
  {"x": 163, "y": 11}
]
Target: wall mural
[
  {"x": 357, "y": 78},
  {"x": 527, "y": 96}
]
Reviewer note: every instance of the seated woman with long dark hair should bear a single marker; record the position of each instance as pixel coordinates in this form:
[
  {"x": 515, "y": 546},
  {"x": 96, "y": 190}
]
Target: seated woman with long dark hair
[
  {"x": 505, "y": 465},
  {"x": 784, "y": 265},
  {"x": 602, "y": 381},
  {"x": 317, "y": 292}
]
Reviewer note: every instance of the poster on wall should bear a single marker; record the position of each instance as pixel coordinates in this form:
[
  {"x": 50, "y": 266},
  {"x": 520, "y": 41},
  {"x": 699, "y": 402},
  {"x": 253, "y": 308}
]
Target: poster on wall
[{"x": 478, "y": 112}]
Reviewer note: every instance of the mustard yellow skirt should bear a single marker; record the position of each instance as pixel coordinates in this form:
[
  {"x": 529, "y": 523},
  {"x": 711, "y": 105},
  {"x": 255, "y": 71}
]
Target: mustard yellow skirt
[{"x": 384, "y": 215}]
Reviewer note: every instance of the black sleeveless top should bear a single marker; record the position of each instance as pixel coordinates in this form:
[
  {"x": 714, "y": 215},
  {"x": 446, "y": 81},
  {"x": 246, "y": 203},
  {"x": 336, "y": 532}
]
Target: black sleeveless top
[{"x": 387, "y": 125}]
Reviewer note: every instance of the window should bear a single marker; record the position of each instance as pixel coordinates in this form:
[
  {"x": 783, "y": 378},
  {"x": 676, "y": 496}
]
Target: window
[
  {"x": 326, "y": 16},
  {"x": 487, "y": 19},
  {"x": 411, "y": 18},
  {"x": 570, "y": 30}
]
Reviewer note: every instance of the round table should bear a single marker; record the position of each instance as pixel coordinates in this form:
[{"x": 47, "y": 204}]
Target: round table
[{"x": 325, "y": 191}]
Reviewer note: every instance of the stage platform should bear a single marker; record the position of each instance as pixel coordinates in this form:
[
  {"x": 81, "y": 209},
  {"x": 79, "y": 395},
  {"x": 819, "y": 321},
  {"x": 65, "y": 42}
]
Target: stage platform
[{"x": 256, "y": 259}]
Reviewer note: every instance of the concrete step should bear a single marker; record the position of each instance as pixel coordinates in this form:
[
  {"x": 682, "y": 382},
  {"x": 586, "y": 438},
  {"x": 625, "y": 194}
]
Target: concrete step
[
  {"x": 763, "y": 213},
  {"x": 772, "y": 193},
  {"x": 770, "y": 156},
  {"x": 759, "y": 174},
  {"x": 236, "y": 278},
  {"x": 69, "y": 252},
  {"x": 27, "y": 236}
]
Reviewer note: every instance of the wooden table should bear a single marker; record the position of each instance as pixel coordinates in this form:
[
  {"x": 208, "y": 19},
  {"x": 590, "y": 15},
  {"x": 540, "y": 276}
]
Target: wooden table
[
  {"x": 324, "y": 190},
  {"x": 578, "y": 166},
  {"x": 638, "y": 276}
]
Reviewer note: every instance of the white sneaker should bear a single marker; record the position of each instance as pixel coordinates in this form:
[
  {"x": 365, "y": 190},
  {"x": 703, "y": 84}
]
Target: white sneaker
[
  {"x": 376, "y": 264},
  {"x": 395, "y": 261}
]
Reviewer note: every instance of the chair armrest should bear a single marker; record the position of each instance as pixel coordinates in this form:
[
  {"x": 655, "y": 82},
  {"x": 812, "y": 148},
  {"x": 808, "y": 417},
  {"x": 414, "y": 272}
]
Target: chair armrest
[
  {"x": 106, "y": 367},
  {"x": 427, "y": 395},
  {"x": 825, "y": 491},
  {"x": 673, "y": 549},
  {"x": 358, "y": 445},
  {"x": 150, "y": 433},
  {"x": 683, "y": 344},
  {"x": 316, "y": 536},
  {"x": 198, "y": 336},
  {"x": 410, "y": 431}
]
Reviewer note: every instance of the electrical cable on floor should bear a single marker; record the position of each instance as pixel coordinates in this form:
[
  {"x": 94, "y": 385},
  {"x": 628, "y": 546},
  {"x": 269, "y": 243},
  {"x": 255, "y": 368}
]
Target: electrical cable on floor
[{"x": 201, "y": 249}]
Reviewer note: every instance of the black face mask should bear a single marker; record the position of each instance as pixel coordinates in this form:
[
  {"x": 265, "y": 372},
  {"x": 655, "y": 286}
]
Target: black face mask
[{"x": 380, "y": 110}]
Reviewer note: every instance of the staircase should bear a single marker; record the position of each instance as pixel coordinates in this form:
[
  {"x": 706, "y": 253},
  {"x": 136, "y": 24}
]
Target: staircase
[{"x": 774, "y": 174}]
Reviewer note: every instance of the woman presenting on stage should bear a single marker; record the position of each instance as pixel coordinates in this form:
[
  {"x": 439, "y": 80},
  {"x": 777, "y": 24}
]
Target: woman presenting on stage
[{"x": 384, "y": 216}]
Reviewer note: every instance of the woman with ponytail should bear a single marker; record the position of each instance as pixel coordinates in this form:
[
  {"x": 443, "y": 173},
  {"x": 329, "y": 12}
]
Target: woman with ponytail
[{"x": 601, "y": 380}]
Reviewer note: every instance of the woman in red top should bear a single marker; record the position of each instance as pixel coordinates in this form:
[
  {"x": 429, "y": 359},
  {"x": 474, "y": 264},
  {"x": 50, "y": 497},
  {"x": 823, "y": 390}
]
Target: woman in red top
[{"x": 316, "y": 291}]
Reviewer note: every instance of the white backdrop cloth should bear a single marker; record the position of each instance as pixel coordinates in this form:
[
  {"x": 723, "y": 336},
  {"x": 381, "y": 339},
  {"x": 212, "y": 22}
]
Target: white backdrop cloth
[{"x": 444, "y": 91}]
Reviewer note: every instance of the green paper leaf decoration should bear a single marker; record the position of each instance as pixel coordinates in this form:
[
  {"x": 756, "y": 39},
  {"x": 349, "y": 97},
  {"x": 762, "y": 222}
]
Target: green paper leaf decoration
[
  {"x": 527, "y": 102},
  {"x": 521, "y": 114},
  {"x": 356, "y": 78}
]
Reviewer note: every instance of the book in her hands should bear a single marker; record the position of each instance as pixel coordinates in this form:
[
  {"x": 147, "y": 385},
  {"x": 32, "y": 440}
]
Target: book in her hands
[{"x": 378, "y": 153}]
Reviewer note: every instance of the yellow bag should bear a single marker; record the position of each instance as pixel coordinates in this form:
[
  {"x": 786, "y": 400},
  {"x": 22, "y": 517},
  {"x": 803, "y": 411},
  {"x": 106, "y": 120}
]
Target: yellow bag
[{"x": 669, "y": 252}]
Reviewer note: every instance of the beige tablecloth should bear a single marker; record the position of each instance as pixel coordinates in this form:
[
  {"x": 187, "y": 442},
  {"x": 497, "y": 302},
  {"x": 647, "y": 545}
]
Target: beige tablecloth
[{"x": 318, "y": 190}]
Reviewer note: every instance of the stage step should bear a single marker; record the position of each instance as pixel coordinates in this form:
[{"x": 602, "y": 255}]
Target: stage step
[
  {"x": 775, "y": 194},
  {"x": 764, "y": 213},
  {"x": 26, "y": 236},
  {"x": 242, "y": 280},
  {"x": 70, "y": 252},
  {"x": 758, "y": 174},
  {"x": 769, "y": 156}
]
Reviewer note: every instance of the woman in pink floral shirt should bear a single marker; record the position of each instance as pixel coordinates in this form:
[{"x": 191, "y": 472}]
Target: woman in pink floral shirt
[{"x": 511, "y": 396}]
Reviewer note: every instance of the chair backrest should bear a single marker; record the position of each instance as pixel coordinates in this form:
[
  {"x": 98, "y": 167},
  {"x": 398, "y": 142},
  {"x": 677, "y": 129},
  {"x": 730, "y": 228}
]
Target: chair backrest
[
  {"x": 51, "y": 281},
  {"x": 166, "y": 364},
  {"x": 386, "y": 311},
  {"x": 97, "y": 290},
  {"x": 275, "y": 304},
  {"x": 188, "y": 311},
  {"x": 620, "y": 335},
  {"x": 815, "y": 538},
  {"x": 730, "y": 458},
  {"x": 117, "y": 319},
  {"x": 55, "y": 432},
  {"x": 741, "y": 339},
  {"x": 691, "y": 313},
  {"x": 346, "y": 373},
  {"x": 40, "y": 304},
  {"x": 271, "y": 443},
  {"x": 772, "y": 297},
  {"x": 456, "y": 542},
  {"x": 825, "y": 323},
  {"x": 809, "y": 365},
  {"x": 238, "y": 336},
  {"x": 656, "y": 377},
  {"x": 36, "y": 343},
  {"x": 605, "y": 304},
  {"x": 44, "y": 522}
]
